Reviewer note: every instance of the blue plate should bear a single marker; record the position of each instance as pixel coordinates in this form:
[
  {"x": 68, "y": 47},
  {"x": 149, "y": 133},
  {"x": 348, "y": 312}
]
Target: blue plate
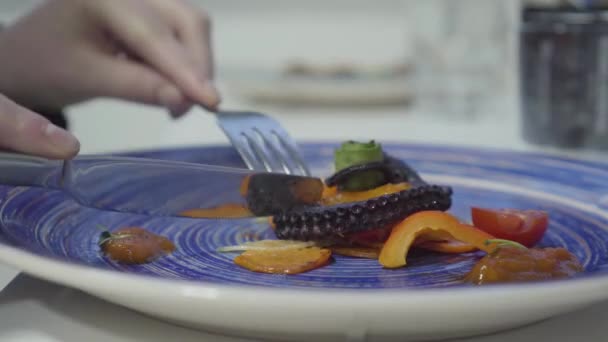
[{"x": 573, "y": 192}]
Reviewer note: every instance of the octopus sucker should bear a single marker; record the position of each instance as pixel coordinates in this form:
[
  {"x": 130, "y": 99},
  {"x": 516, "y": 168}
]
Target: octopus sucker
[{"x": 332, "y": 222}]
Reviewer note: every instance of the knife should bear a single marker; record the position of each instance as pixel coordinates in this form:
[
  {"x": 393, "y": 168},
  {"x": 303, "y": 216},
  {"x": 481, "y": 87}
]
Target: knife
[{"x": 162, "y": 188}]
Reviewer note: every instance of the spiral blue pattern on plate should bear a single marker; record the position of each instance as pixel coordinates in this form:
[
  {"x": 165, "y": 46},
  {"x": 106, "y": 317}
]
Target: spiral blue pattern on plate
[{"x": 50, "y": 224}]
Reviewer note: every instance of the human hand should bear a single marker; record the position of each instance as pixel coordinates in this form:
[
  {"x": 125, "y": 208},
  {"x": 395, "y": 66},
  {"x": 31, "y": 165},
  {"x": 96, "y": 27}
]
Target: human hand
[
  {"x": 150, "y": 51},
  {"x": 24, "y": 131}
]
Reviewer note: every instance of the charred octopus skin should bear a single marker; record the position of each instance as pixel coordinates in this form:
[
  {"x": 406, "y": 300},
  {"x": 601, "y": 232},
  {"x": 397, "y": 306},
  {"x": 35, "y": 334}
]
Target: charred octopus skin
[
  {"x": 371, "y": 168},
  {"x": 333, "y": 222}
]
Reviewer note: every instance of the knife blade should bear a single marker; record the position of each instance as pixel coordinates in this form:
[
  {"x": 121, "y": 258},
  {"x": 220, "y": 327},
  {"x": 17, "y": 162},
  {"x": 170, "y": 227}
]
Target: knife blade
[{"x": 163, "y": 188}]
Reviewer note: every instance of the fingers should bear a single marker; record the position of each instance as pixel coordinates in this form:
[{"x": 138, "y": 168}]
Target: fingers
[
  {"x": 132, "y": 81},
  {"x": 193, "y": 28},
  {"x": 129, "y": 80},
  {"x": 24, "y": 131},
  {"x": 171, "y": 59},
  {"x": 195, "y": 36},
  {"x": 158, "y": 47},
  {"x": 179, "y": 111}
]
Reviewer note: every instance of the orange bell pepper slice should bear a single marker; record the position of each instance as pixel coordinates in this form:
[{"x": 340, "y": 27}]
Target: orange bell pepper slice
[
  {"x": 448, "y": 246},
  {"x": 431, "y": 225}
]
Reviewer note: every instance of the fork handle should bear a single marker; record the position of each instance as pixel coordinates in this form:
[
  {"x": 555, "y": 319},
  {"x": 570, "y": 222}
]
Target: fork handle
[{"x": 23, "y": 170}]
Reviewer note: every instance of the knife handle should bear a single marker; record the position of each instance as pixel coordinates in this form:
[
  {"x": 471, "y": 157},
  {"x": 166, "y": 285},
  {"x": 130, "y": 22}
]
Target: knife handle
[{"x": 18, "y": 169}]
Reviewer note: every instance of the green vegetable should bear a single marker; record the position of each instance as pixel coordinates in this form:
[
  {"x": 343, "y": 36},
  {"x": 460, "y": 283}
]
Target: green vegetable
[
  {"x": 504, "y": 243},
  {"x": 106, "y": 236},
  {"x": 355, "y": 153}
]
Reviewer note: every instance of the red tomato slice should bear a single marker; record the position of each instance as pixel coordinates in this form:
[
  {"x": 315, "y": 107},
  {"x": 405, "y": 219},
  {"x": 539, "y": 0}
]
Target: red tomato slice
[{"x": 524, "y": 226}]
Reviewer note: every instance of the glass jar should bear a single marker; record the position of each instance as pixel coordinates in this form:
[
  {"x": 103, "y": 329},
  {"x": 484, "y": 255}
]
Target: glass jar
[
  {"x": 464, "y": 54},
  {"x": 563, "y": 77}
]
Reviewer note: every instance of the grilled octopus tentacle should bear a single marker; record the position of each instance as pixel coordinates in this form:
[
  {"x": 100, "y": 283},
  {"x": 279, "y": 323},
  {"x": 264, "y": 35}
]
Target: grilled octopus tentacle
[{"x": 327, "y": 222}]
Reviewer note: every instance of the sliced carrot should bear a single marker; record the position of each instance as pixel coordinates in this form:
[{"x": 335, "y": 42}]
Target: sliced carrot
[{"x": 284, "y": 261}]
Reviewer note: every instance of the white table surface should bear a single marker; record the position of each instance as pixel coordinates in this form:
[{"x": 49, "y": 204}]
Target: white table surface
[{"x": 38, "y": 311}]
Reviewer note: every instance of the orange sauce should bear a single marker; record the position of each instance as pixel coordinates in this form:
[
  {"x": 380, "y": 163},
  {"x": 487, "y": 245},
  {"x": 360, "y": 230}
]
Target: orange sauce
[
  {"x": 135, "y": 245},
  {"x": 512, "y": 264},
  {"x": 226, "y": 210},
  {"x": 245, "y": 186}
]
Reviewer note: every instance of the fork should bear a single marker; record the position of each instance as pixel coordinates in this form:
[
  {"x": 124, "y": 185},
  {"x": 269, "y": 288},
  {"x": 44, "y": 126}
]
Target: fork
[{"x": 262, "y": 142}]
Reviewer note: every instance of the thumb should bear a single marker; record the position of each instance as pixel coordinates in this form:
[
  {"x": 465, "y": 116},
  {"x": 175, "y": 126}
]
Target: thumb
[
  {"x": 129, "y": 80},
  {"x": 24, "y": 131}
]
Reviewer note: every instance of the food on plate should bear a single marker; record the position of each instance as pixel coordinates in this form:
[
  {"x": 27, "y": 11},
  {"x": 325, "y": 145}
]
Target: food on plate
[
  {"x": 371, "y": 238},
  {"x": 332, "y": 196},
  {"x": 268, "y": 194},
  {"x": 233, "y": 210},
  {"x": 266, "y": 245},
  {"x": 284, "y": 261},
  {"x": 326, "y": 223},
  {"x": 279, "y": 256},
  {"x": 449, "y": 246},
  {"x": 524, "y": 226},
  {"x": 351, "y": 156},
  {"x": 357, "y": 252},
  {"x": 355, "y": 161},
  {"x": 134, "y": 245},
  {"x": 397, "y": 190},
  {"x": 431, "y": 226},
  {"x": 516, "y": 264},
  {"x": 375, "y": 206}
]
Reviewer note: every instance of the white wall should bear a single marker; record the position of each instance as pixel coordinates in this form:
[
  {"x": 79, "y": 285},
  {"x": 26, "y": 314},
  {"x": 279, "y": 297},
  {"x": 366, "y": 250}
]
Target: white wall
[
  {"x": 245, "y": 31},
  {"x": 267, "y": 32},
  {"x": 264, "y": 34}
]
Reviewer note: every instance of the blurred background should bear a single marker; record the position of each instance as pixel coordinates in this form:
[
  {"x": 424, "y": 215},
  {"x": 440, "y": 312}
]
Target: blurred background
[{"x": 437, "y": 71}]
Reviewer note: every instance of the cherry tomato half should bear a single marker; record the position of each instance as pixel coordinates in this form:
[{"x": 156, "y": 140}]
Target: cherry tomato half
[{"x": 524, "y": 226}]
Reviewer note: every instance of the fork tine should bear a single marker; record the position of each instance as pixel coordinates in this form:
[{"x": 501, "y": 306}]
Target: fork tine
[
  {"x": 247, "y": 155},
  {"x": 289, "y": 146},
  {"x": 262, "y": 142},
  {"x": 275, "y": 154},
  {"x": 258, "y": 151}
]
